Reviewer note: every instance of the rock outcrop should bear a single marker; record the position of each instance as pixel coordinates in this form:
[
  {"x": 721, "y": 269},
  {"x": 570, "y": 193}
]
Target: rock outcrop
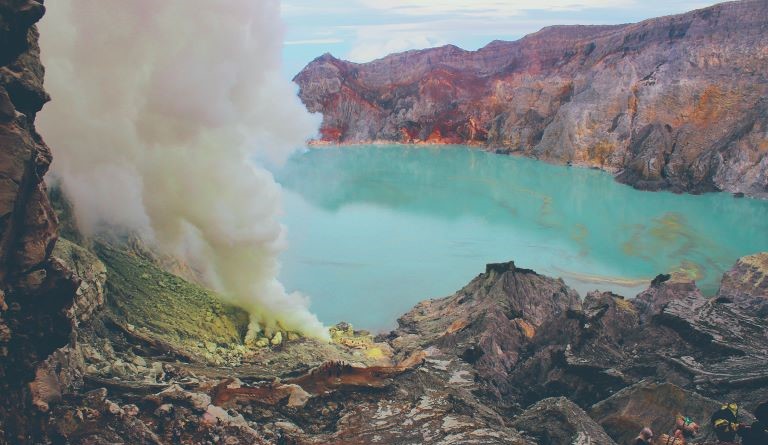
[
  {"x": 558, "y": 421},
  {"x": 654, "y": 405},
  {"x": 674, "y": 103},
  {"x": 706, "y": 345},
  {"x": 746, "y": 285},
  {"x": 36, "y": 290},
  {"x": 488, "y": 323},
  {"x": 642, "y": 361}
]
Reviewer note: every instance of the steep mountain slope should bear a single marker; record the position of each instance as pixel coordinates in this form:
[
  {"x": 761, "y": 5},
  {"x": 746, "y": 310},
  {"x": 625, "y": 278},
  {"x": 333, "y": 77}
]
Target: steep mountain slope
[{"x": 676, "y": 102}]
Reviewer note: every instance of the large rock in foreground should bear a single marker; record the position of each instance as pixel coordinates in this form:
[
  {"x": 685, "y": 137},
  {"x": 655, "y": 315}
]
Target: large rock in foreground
[
  {"x": 36, "y": 290},
  {"x": 653, "y": 405},
  {"x": 558, "y": 421},
  {"x": 488, "y": 323},
  {"x": 676, "y": 102},
  {"x": 746, "y": 284},
  {"x": 527, "y": 337}
]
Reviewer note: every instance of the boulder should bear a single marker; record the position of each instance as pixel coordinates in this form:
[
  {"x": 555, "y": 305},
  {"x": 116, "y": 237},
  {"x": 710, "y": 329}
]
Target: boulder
[
  {"x": 558, "y": 421},
  {"x": 654, "y": 405},
  {"x": 488, "y": 322},
  {"x": 746, "y": 284},
  {"x": 91, "y": 273},
  {"x": 663, "y": 289}
]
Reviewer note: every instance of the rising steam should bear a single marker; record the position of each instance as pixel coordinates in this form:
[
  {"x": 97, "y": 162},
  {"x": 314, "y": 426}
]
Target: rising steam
[{"x": 158, "y": 109}]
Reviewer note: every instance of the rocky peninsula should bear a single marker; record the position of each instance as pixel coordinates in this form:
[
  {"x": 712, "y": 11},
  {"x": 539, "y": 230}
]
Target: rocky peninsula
[{"x": 676, "y": 103}]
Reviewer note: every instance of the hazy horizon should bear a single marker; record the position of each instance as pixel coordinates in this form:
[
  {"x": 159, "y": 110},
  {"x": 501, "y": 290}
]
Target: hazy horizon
[{"x": 364, "y": 30}]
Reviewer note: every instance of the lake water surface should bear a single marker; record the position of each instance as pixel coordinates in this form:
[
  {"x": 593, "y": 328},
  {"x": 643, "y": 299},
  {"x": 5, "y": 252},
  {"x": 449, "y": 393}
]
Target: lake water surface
[{"x": 372, "y": 230}]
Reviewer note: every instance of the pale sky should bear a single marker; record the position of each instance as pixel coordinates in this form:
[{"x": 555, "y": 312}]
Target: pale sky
[{"x": 363, "y": 30}]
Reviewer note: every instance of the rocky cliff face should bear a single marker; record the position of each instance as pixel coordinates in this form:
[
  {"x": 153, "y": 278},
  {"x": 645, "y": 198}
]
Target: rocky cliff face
[
  {"x": 527, "y": 339},
  {"x": 488, "y": 323},
  {"x": 747, "y": 278},
  {"x": 670, "y": 103},
  {"x": 36, "y": 290}
]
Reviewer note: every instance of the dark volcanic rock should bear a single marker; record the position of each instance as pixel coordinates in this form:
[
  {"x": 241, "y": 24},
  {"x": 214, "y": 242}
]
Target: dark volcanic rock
[
  {"x": 676, "y": 102},
  {"x": 36, "y": 291},
  {"x": 663, "y": 290},
  {"x": 559, "y": 421},
  {"x": 727, "y": 356},
  {"x": 747, "y": 284},
  {"x": 585, "y": 354},
  {"x": 653, "y": 405},
  {"x": 488, "y": 322},
  {"x": 670, "y": 334},
  {"x": 526, "y": 338}
]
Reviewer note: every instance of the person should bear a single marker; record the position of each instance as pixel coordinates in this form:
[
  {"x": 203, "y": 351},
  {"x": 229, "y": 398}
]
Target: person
[
  {"x": 684, "y": 430},
  {"x": 644, "y": 438},
  {"x": 675, "y": 439},
  {"x": 757, "y": 433},
  {"x": 686, "y": 426},
  {"x": 725, "y": 422}
]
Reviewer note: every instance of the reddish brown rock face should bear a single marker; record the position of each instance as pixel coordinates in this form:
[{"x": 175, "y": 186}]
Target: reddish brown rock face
[
  {"x": 36, "y": 289},
  {"x": 670, "y": 103}
]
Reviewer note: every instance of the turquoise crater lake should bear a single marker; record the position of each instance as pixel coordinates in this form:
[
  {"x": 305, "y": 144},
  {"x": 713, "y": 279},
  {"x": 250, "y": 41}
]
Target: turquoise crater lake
[{"x": 372, "y": 230}]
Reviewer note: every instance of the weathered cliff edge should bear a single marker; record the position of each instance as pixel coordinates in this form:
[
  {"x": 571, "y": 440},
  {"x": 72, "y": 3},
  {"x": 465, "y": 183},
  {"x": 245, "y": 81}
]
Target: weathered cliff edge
[
  {"x": 40, "y": 302},
  {"x": 674, "y": 103}
]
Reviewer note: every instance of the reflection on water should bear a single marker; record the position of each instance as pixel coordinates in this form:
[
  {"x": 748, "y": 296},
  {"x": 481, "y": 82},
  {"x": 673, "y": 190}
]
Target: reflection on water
[
  {"x": 602, "y": 279},
  {"x": 689, "y": 270},
  {"x": 373, "y": 230},
  {"x": 579, "y": 234}
]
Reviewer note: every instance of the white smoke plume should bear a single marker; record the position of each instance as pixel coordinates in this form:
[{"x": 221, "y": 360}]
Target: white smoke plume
[{"x": 159, "y": 108}]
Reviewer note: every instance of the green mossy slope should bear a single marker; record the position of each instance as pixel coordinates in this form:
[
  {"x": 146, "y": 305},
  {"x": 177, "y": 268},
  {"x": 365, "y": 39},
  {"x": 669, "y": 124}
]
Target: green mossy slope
[{"x": 168, "y": 308}]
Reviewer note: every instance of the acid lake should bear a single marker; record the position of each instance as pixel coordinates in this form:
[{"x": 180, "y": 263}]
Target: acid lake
[{"x": 372, "y": 230}]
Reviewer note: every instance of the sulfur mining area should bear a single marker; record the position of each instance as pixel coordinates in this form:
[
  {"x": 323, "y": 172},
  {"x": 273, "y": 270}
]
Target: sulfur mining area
[{"x": 107, "y": 339}]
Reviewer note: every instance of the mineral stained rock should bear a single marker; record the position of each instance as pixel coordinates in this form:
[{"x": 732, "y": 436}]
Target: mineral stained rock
[
  {"x": 36, "y": 290},
  {"x": 674, "y": 103}
]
